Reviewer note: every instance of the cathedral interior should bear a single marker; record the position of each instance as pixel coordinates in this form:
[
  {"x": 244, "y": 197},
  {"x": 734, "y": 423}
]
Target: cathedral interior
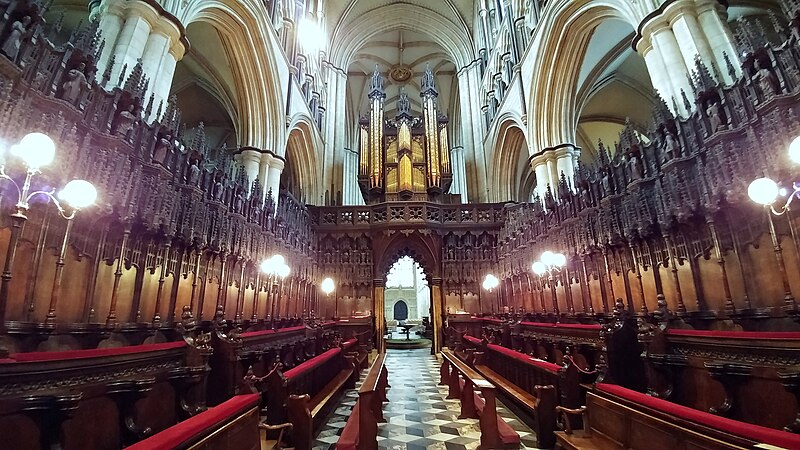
[{"x": 409, "y": 224}]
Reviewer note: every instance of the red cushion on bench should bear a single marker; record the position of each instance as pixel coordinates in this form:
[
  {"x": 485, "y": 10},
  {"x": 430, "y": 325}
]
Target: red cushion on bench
[
  {"x": 311, "y": 363},
  {"x": 251, "y": 334},
  {"x": 349, "y": 343},
  {"x": 490, "y": 319},
  {"x": 562, "y": 325},
  {"x": 194, "y": 426},
  {"x": 736, "y": 334},
  {"x": 349, "y": 438},
  {"x": 472, "y": 339},
  {"x": 735, "y": 427},
  {"x": 95, "y": 352},
  {"x": 550, "y": 367}
]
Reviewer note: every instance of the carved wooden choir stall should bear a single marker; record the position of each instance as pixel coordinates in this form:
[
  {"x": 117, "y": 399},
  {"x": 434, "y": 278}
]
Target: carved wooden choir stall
[{"x": 147, "y": 318}]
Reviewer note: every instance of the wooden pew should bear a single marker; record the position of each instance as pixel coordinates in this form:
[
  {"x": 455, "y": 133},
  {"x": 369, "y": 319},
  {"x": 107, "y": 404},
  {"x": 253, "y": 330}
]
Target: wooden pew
[
  {"x": 361, "y": 431},
  {"x": 532, "y": 385},
  {"x": 618, "y": 418},
  {"x": 100, "y": 398},
  {"x": 463, "y": 382},
  {"x": 353, "y": 347},
  {"x": 235, "y": 353},
  {"x": 232, "y": 424},
  {"x": 304, "y": 394},
  {"x": 735, "y": 374}
]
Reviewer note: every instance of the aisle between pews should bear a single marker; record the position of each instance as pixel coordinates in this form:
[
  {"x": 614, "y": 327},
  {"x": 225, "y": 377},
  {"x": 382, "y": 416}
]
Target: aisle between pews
[{"x": 418, "y": 415}]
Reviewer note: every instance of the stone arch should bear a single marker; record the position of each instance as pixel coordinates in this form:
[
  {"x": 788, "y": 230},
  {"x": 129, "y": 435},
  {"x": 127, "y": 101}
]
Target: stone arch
[
  {"x": 354, "y": 29},
  {"x": 564, "y": 34},
  {"x": 245, "y": 31},
  {"x": 508, "y": 146},
  {"x": 302, "y": 150},
  {"x": 421, "y": 248}
]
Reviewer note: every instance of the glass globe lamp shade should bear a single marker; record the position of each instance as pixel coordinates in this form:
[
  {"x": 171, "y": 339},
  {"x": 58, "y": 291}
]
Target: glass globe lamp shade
[
  {"x": 559, "y": 259},
  {"x": 763, "y": 191},
  {"x": 490, "y": 282},
  {"x": 539, "y": 268},
  {"x": 267, "y": 266},
  {"x": 283, "y": 271},
  {"x": 278, "y": 260},
  {"x": 327, "y": 286},
  {"x": 36, "y": 150},
  {"x": 547, "y": 258},
  {"x": 794, "y": 150},
  {"x": 78, "y": 194}
]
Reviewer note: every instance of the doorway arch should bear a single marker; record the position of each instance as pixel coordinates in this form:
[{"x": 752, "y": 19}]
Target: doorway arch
[
  {"x": 400, "y": 310},
  {"x": 424, "y": 248}
]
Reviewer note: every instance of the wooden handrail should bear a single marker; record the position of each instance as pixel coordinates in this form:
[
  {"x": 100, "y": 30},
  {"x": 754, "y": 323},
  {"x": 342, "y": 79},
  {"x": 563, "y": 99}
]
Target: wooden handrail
[
  {"x": 371, "y": 382},
  {"x": 468, "y": 372}
]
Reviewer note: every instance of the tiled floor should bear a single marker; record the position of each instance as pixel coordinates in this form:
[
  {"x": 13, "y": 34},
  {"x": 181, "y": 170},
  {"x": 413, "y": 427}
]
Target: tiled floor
[{"x": 419, "y": 417}]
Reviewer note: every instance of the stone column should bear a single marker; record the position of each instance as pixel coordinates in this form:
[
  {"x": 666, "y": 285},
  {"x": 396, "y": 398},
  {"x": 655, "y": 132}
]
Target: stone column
[
  {"x": 334, "y": 155},
  {"x": 130, "y": 44},
  {"x": 664, "y": 40},
  {"x": 565, "y": 162},
  {"x": 459, "y": 185},
  {"x": 250, "y": 158},
  {"x": 111, "y": 23},
  {"x": 539, "y": 166},
  {"x": 377, "y": 307},
  {"x": 657, "y": 70},
  {"x": 691, "y": 39},
  {"x": 472, "y": 129},
  {"x": 276, "y": 166},
  {"x": 713, "y": 20}
]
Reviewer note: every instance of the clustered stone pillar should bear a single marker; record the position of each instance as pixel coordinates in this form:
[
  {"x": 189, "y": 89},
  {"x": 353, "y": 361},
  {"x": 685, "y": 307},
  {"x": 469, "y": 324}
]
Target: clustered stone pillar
[
  {"x": 472, "y": 130},
  {"x": 136, "y": 30},
  {"x": 551, "y": 163},
  {"x": 250, "y": 158},
  {"x": 683, "y": 31},
  {"x": 459, "y": 184},
  {"x": 335, "y": 175}
]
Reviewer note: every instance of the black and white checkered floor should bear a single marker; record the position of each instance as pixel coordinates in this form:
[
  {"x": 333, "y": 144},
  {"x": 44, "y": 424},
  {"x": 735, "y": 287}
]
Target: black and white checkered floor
[{"x": 419, "y": 417}]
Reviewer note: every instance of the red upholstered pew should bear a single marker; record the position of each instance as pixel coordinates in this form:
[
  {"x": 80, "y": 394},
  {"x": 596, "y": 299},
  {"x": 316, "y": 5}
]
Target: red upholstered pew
[
  {"x": 740, "y": 375},
  {"x": 230, "y": 425},
  {"x": 616, "y": 417},
  {"x": 533, "y": 385},
  {"x": 303, "y": 395},
  {"x": 361, "y": 430},
  {"x": 259, "y": 350},
  {"x": 463, "y": 382},
  {"x": 115, "y": 396}
]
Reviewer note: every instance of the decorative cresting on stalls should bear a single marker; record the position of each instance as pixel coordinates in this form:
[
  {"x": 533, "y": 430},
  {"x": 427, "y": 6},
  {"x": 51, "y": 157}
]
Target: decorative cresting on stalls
[
  {"x": 665, "y": 216},
  {"x": 177, "y": 224},
  {"x": 406, "y": 157}
]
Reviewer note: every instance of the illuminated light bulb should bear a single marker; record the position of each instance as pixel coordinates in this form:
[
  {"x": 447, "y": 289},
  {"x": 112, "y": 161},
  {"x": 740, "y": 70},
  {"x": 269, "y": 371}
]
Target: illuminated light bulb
[
  {"x": 328, "y": 286},
  {"x": 78, "y": 194},
  {"x": 763, "y": 191},
  {"x": 539, "y": 268},
  {"x": 559, "y": 260},
  {"x": 283, "y": 271},
  {"x": 36, "y": 150},
  {"x": 794, "y": 150},
  {"x": 547, "y": 258}
]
